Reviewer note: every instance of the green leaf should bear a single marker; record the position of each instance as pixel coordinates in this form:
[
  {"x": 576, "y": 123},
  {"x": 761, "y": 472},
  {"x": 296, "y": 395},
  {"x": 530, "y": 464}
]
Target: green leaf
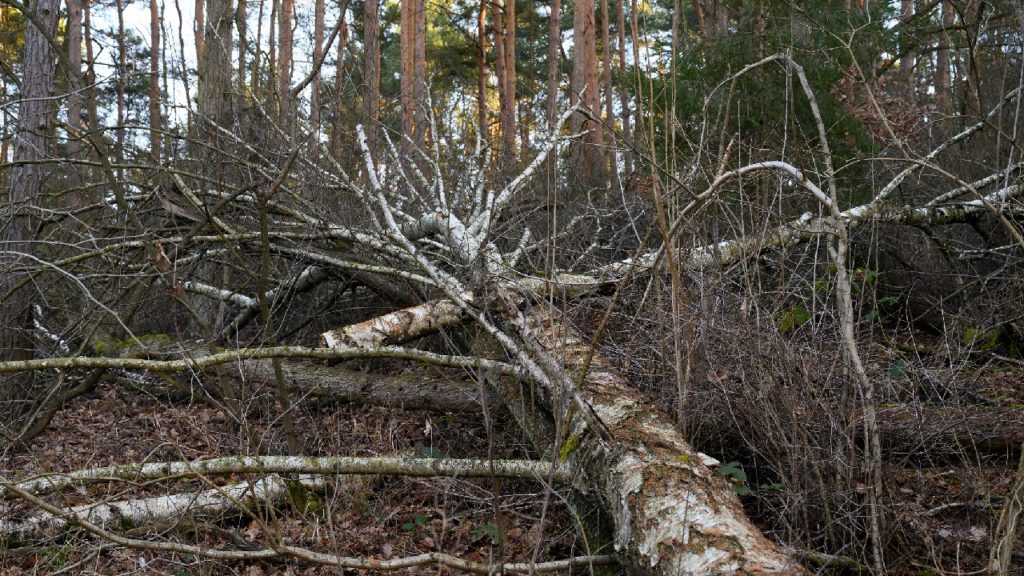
[
  {"x": 741, "y": 489},
  {"x": 793, "y": 318},
  {"x": 897, "y": 370},
  {"x": 733, "y": 470}
]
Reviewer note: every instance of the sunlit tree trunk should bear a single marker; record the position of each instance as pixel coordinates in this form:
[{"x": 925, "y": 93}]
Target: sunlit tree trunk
[
  {"x": 504, "y": 13},
  {"x": 371, "y": 70},
  {"x": 586, "y": 155}
]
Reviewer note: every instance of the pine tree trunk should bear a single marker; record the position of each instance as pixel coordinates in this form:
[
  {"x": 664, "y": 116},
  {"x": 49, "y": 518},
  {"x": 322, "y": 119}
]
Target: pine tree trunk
[
  {"x": 242, "y": 25},
  {"x": 75, "y": 96},
  {"x": 507, "y": 82},
  {"x": 314, "y": 96},
  {"x": 907, "y": 57},
  {"x": 554, "y": 58},
  {"x": 200, "y": 31},
  {"x": 154, "y": 80},
  {"x": 419, "y": 67},
  {"x": 586, "y": 157},
  {"x": 284, "y": 61},
  {"x": 406, "y": 32},
  {"x": 627, "y": 135},
  {"x": 215, "y": 68},
  {"x": 371, "y": 71},
  {"x": 481, "y": 71},
  {"x": 27, "y": 177}
]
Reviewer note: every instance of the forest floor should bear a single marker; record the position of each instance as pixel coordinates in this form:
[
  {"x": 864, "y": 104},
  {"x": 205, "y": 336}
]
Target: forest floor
[
  {"x": 373, "y": 517},
  {"x": 944, "y": 510}
]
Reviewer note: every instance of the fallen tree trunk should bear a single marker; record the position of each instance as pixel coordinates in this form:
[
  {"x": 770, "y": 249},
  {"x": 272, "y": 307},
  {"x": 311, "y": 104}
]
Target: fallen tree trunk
[
  {"x": 672, "y": 513},
  {"x": 319, "y": 382},
  {"x": 947, "y": 432},
  {"x": 140, "y": 511},
  {"x": 335, "y": 465}
]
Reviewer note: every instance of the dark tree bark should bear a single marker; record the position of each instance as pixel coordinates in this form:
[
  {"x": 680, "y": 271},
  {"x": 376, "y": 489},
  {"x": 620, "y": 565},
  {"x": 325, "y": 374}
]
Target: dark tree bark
[{"x": 31, "y": 142}]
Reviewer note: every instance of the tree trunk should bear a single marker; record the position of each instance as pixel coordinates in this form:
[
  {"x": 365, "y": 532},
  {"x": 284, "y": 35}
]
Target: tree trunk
[
  {"x": 419, "y": 66},
  {"x": 672, "y": 513},
  {"x": 340, "y": 105},
  {"x": 407, "y": 31},
  {"x": 371, "y": 71},
  {"x": 154, "y": 80},
  {"x": 623, "y": 93},
  {"x": 942, "y": 80},
  {"x": 200, "y": 12},
  {"x": 481, "y": 71},
  {"x": 242, "y": 25},
  {"x": 505, "y": 49},
  {"x": 215, "y": 68},
  {"x": 75, "y": 96},
  {"x": 907, "y": 57},
  {"x": 609, "y": 89},
  {"x": 554, "y": 59},
  {"x": 27, "y": 177},
  {"x": 90, "y": 70},
  {"x": 585, "y": 155},
  {"x": 284, "y": 62},
  {"x": 318, "y": 50}
]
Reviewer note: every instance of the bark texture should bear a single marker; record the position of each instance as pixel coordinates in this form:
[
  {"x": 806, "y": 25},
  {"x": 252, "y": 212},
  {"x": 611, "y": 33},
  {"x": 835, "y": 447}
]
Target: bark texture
[{"x": 27, "y": 177}]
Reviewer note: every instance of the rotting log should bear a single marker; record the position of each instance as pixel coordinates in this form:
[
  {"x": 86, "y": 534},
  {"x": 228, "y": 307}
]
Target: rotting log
[
  {"x": 672, "y": 513},
  {"x": 951, "y": 431},
  {"x": 321, "y": 383}
]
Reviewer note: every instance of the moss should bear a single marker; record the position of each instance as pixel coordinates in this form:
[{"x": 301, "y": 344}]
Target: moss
[{"x": 569, "y": 447}]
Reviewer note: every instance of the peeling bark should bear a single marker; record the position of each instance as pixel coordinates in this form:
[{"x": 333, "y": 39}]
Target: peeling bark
[{"x": 672, "y": 513}]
